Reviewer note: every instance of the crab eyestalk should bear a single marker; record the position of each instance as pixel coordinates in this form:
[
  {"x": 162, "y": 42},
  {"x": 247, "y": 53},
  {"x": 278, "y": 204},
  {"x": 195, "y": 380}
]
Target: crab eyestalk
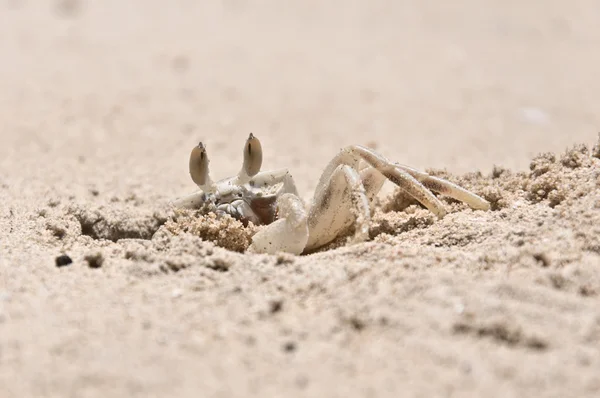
[
  {"x": 199, "y": 168},
  {"x": 252, "y": 158}
]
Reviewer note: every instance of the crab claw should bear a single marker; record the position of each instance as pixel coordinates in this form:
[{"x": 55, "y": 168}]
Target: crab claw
[{"x": 288, "y": 234}]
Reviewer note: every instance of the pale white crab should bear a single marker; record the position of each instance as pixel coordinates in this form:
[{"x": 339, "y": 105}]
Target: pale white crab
[{"x": 343, "y": 196}]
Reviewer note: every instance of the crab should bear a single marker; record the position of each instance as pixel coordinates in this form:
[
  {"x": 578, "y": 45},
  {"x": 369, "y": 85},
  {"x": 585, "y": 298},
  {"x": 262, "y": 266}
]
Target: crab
[{"x": 343, "y": 197}]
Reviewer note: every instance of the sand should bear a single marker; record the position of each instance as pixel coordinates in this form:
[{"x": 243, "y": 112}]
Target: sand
[{"x": 106, "y": 292}]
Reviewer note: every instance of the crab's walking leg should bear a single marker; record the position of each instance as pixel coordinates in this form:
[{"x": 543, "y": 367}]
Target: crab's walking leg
[
  {"x": 288, "y": 234},
  {"x": 191, "y": 201},
  {"x": 372, "y": 180},
  {"x": 447, "y": 188},
  {"x": 335, "y": 201},
  {"x": 270, "y": 178},
  {"x": 352, "y": 156}
]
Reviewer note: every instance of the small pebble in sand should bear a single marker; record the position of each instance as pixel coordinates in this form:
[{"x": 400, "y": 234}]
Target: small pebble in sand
[
  {"x": 290, "y": 346},
  {"x": 63, "y": 260}
]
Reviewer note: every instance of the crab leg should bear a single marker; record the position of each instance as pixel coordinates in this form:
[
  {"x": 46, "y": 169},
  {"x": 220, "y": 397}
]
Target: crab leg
[
  {"x": 372, "y": 180},
  {"x": 333, "y": 207},
  {"x": 447, "y": 188},
  {"x": 353, "y": 154},
  {"x": 269, "y": 178},
  {"x": 191, "y": 201}
]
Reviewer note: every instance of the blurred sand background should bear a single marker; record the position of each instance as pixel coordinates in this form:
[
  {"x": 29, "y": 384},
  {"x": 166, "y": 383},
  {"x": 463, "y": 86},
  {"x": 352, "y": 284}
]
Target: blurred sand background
[{"x": 100, "y": 103}]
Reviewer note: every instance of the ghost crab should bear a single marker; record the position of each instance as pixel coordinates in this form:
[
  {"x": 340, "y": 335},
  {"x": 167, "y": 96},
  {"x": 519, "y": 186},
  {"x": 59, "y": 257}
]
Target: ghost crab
[{"x": 343, "y": 196}]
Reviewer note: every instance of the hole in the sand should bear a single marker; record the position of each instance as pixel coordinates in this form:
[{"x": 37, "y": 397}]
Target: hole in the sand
[{"x": 116, "y": 224}]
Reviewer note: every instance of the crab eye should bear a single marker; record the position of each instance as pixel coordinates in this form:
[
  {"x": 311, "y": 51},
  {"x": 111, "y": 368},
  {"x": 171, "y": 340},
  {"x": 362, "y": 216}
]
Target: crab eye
[
  {"x": 252, "y": 155},
  {"x": 199, "y": 165}
]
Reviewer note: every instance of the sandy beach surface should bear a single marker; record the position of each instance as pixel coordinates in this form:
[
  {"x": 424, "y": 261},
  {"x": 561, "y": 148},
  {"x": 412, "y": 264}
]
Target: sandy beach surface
[{"x": 101, "y": 103}]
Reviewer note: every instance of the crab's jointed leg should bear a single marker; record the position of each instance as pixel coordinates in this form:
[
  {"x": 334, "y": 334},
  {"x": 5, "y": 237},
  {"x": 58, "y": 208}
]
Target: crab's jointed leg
[
  {"x": 331, "y": 210},
  {"x": 352, "y": 156},
  {"x": 271, "y": 178},
  {"x": 333, "y": 206},
  {"x": 191, "y": 201},
  {"x": 447, "y": 188}
]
